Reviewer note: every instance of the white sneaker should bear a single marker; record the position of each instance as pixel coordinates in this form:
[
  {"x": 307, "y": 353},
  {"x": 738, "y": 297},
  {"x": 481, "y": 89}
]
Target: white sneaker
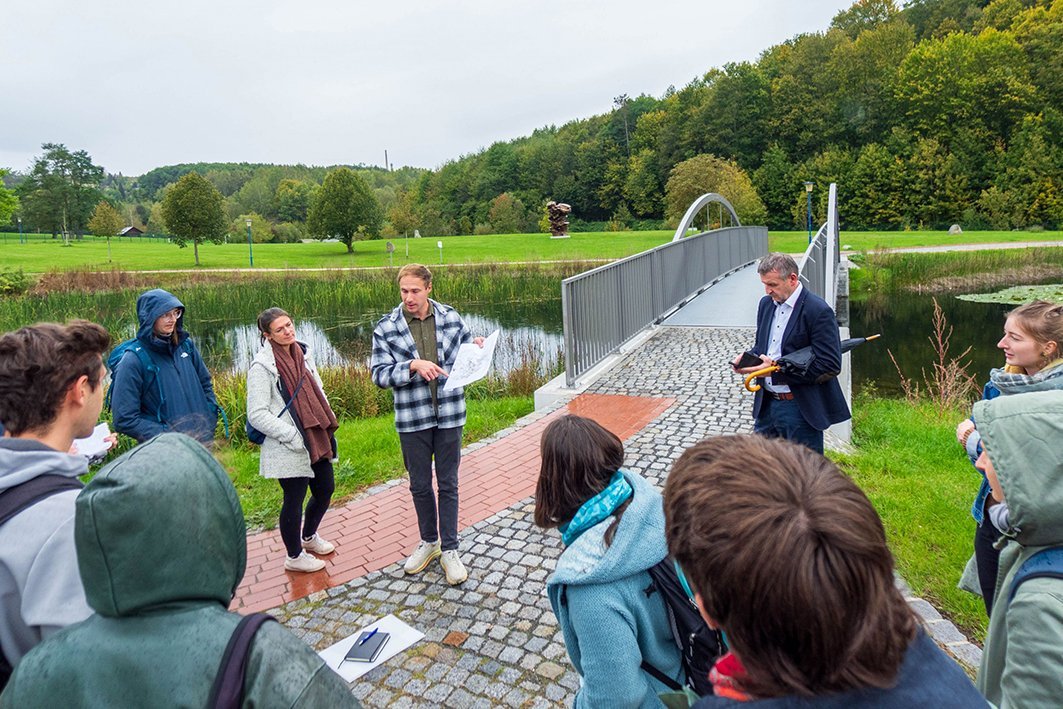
[
  {"x": 421, "y": 557},
  {"x": 304, "y": 562},
  {"x": 317, "y": 545},
  {"x": 453, "y": 568}
]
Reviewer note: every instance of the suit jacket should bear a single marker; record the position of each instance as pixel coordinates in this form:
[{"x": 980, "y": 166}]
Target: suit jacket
[{"x": 812, "y": 324}]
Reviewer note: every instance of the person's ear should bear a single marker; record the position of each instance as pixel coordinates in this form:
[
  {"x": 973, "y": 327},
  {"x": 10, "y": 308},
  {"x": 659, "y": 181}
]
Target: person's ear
[{"x": 79, "y": 390}]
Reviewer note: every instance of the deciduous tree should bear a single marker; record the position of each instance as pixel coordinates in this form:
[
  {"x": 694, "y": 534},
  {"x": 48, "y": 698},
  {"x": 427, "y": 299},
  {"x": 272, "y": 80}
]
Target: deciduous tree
[
  {"x": 106, "y": 221},
  {"x": 707, "y": 173},
  {"x": 344, "y": 208},
  {"x": 8, "y": 201},
  {"x": 192, "y": 210}
]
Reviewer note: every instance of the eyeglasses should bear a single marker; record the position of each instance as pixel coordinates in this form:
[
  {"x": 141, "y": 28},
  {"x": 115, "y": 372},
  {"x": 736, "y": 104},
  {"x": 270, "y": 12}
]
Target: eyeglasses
[{"x": 173, "y": 314}]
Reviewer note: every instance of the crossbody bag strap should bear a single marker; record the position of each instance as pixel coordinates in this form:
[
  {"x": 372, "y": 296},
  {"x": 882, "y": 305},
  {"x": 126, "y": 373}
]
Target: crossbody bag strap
[{"x": 227, "y": 692}]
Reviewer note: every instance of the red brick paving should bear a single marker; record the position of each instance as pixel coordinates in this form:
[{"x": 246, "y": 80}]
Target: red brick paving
[{"x": 378, "y": 530}]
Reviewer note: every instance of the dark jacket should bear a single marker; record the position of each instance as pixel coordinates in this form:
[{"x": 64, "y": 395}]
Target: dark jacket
[
  {"x": 812, "y": 324},
  {"x": 161, "y": 548},
  {"x": 928, "y": 678},
  {"x": 189, "y": 407}
]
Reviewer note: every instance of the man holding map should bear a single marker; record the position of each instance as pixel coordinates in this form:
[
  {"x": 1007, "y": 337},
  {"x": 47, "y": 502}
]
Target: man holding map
[{"x": 414, "y": 346}]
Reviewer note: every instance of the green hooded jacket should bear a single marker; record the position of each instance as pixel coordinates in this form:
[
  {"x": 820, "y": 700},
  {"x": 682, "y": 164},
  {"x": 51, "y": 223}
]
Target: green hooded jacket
[
  {"x": 1022, "y": 662},
  {"x": 161, "y": 548}
]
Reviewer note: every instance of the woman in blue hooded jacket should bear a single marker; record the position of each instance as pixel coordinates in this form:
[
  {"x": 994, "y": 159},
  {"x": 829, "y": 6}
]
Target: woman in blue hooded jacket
[
  {"x": 612, "y": 527},
  {"x": 169, "y": 391}
]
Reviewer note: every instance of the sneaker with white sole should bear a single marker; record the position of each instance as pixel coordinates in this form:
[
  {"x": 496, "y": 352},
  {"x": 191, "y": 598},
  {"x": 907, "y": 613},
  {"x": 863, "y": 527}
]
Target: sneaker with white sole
[
  {"x": 317, "y": 545},
  {"x": 453, "y": 568},
  {"x": 304, "y": 563},
  {"x": 421, "y": 557}
]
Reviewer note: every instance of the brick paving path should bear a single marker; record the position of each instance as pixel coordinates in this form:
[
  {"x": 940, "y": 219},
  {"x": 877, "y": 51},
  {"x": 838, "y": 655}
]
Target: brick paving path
[
  {"x": 380, "y": 528},
  {"x": 494, "y": 641}
]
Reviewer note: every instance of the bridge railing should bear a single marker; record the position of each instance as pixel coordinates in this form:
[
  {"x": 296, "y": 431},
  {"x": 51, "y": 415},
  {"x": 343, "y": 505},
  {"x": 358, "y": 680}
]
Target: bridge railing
[
  {"x": 819, "y": 266},
  {"x": 607, "y": 306}
]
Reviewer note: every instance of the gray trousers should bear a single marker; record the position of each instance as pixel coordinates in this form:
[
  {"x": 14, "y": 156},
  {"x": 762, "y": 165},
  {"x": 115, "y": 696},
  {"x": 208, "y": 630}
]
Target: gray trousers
[{"x": 418, "y": 449}]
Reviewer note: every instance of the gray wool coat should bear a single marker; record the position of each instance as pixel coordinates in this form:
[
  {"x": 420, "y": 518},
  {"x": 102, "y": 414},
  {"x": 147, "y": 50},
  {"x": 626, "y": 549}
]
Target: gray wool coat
[{"x": 283, "y": 454}]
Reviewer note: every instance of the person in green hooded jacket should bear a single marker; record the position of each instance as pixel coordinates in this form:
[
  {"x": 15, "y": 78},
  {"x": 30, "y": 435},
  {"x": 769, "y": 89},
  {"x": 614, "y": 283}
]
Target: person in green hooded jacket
[
  {"x": 1022, "y": 457},
  {"x": 162, "y": 547}
]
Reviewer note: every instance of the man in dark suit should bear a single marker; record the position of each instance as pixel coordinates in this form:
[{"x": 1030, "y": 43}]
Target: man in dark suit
[{"x": 789, "y": 318}]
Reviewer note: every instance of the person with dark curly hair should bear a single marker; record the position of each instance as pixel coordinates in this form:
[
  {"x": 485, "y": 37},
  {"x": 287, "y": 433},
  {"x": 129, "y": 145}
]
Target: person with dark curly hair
[{"x": 51, "y": 392}]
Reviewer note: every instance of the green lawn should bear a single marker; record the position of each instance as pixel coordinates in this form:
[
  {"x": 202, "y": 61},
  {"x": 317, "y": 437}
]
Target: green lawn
[
  {"x": 369, "y": 454},
  {"x": 45, "y": 254},
  {"x": 922, "y": 485}
]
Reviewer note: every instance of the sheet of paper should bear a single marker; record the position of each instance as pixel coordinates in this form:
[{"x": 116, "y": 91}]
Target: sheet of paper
[
  {"x": 472, "y": 363},
  {"x": 402, "y": 637},
  {"x": 94, "y": 445}
]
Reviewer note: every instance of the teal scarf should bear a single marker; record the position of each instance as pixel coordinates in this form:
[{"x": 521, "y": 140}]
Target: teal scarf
[{"x": 596, "y": 509}]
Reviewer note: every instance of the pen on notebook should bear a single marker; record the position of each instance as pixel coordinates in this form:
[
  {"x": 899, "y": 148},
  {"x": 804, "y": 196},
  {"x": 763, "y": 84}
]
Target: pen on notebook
[{"x": 366, "y": 638}]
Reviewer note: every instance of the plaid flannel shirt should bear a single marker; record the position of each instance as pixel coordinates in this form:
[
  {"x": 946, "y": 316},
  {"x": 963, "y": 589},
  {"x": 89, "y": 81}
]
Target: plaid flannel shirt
[{"x": 394, "y": 349}]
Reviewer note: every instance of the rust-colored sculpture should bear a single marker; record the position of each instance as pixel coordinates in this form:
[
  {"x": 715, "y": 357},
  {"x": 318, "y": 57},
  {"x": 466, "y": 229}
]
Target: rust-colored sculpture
[{"x": 557, "y": 213}]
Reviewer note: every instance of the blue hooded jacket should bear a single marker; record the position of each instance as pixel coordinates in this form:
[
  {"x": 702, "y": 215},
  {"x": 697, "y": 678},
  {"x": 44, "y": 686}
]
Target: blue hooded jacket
[
  {"x": 190, "y": 406},
  {"x": 610, "y": 623}
]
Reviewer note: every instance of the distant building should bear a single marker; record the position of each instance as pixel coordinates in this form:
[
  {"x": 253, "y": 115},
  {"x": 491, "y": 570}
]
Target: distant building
[{"x": 130, "y": 231}]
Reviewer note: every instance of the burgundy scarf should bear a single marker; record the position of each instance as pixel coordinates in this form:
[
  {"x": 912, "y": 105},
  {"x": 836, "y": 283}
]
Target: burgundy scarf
[{"x": 310, "y": 405}]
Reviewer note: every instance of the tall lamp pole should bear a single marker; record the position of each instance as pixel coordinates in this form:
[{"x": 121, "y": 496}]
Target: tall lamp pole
[
  {"x": 250, "y": 249},
  {"x": 808, "y": 191},
  {"x": 20, "y": 231}
]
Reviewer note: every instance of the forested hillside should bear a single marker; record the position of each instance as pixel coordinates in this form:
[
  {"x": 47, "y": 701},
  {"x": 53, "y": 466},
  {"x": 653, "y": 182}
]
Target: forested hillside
[{"x": 937, "y": 112}]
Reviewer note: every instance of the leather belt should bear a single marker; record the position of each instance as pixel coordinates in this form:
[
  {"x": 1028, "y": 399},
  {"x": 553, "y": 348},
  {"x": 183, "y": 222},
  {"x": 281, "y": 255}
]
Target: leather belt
[{"x": 784, "y": 396}]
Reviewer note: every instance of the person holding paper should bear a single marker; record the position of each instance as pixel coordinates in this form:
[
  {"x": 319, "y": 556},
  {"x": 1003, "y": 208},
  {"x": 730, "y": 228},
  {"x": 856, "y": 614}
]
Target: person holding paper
[{"x": 414, "y": 346}]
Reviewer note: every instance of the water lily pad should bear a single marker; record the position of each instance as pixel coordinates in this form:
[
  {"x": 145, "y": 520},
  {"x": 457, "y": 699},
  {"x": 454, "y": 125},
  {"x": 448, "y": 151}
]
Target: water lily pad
[{"x": 1016, "y": 295}]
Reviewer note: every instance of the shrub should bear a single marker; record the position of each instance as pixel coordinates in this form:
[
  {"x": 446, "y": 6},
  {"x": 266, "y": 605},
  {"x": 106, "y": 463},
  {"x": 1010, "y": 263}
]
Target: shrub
[{"x": 14, "y": 282}]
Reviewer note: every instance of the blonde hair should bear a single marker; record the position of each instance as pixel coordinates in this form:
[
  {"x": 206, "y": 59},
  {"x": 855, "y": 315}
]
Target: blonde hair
[
  {"x": 1041, "y": 320},
  {"x": 417, "y": 271}
]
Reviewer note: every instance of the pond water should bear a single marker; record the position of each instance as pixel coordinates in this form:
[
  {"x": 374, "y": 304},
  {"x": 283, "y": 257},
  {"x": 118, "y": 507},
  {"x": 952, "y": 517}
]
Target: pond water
[
  {"x": 230, "y": 344},
  {"x": 906, "y": 324}
]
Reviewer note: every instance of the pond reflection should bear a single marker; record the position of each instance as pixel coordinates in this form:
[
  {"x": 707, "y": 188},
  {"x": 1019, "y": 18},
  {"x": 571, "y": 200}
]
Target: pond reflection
[{"x": 231, "y": 346}]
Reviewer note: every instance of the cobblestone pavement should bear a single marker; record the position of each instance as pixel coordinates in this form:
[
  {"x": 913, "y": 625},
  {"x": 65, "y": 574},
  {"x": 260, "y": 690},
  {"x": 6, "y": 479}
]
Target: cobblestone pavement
[{"x": 494, "y": 641}]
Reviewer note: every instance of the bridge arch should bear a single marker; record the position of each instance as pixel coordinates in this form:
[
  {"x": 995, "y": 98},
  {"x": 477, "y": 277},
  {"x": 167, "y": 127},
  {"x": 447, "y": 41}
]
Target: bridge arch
[{"x": 699, "y": 204}]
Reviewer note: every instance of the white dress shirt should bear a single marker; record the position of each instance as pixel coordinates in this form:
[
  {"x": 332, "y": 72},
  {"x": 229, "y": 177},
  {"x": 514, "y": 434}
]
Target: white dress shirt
[{"x": 778, "y": 327}]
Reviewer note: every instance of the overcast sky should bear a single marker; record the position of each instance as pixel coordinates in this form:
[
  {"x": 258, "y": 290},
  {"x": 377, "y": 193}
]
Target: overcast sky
[{"x": 320, "y": 82}]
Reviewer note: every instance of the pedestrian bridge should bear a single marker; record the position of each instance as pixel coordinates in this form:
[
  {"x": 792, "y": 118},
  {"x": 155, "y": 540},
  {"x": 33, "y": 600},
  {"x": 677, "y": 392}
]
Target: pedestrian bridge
[{"x": 706, "y": 280}]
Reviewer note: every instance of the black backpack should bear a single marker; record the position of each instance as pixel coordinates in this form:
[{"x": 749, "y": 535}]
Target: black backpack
[{"x": 699, "y": 645}]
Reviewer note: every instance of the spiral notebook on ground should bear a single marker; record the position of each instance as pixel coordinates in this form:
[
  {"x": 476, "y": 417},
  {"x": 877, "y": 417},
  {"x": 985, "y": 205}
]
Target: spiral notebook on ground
[{"x": 367, "y": 647}]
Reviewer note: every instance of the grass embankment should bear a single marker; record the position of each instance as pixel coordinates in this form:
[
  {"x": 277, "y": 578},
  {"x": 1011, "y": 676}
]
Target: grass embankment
[
  {"x": 44, "y": 254},
  {"x": 920, "y": 481},
  {"x": 368, "y": 451},
  {"x": 884, "y": 273}
]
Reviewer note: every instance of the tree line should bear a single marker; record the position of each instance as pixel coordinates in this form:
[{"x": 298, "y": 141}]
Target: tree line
[{"x": 940, "y": 112}]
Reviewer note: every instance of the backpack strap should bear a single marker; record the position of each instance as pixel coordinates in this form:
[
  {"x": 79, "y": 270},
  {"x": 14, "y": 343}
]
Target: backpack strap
[
  {"x": 661, "y": 677},
  {"x": 228, "y": 689},
  {"x": 15, "y": 499},
  {"x": 153, "y": 369},
  {"x": 1047, "y": 563}
]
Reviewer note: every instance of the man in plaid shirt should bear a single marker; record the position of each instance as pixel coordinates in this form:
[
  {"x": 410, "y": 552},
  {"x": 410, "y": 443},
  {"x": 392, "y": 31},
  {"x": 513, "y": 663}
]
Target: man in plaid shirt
[{"x": 413, "y": 346}]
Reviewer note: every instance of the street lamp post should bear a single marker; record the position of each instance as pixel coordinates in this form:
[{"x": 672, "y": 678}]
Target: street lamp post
[
  {"x": 20, "y": 231},
  {"x": 808, "y": 191},
  {"x": 250, "y": 249}
]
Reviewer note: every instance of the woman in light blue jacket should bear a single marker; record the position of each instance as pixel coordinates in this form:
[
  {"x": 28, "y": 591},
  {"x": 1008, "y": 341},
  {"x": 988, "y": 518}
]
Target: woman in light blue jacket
[{"x": 612, "y": 525}]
